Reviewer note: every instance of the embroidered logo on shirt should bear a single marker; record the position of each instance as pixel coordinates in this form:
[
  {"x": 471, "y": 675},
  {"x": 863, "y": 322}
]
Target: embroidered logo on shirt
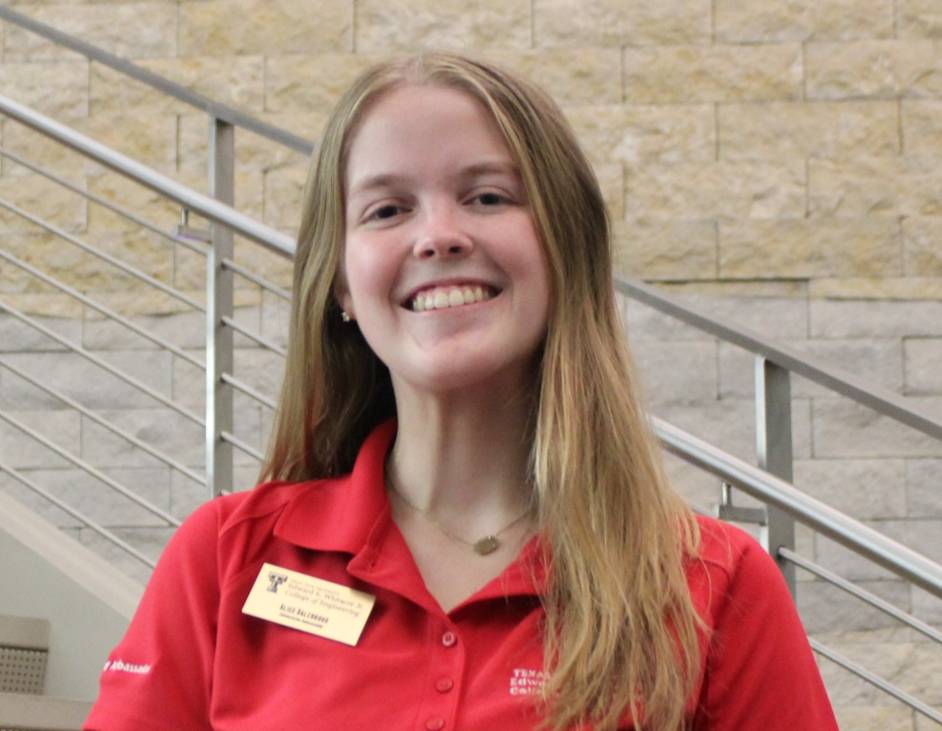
[
  {"x": 120, "y": 666},
  {"x": 526, "y": 681}
]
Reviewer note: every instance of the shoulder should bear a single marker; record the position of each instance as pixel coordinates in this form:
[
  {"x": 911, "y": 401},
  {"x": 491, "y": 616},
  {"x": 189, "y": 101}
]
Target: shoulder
[
  {"x": 732, "y": 570},
  {"x": 228, "y": 526}
]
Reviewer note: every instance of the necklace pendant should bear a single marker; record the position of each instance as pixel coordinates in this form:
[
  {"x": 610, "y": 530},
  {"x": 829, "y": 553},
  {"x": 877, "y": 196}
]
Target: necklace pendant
[{"x": 486, "y": 545}]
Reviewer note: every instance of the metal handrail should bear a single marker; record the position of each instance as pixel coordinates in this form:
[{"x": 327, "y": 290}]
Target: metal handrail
[
  {"x": 254, "y": 337},
  {"x": 876, "y": 397},
  {"x": 104, "y": 256},
  {"x": 164, "y": 85},
  {"x": 72, "y": 292},
  {"x": 77, "y": 514},
  {"x": 861, "y": 672},
  {"x": 248, "y": 391},
  {"x": 199, "y": 248},
  {"x": 865, "y": 596},
  {"x": 78, "y": 350},
  {"x": 90, "y": 469},
  {"x": 256, "y": 279},
  {"x": 242, "y": 446},
  {"x": 191, "y": 200},
  {"x": 824, "y": 519},
  {"x": 113, "y": 428}
]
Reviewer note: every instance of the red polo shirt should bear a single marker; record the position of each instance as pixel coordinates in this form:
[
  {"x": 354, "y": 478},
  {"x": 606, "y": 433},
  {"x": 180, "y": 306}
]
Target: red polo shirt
[{"x": 192, "y": 660}]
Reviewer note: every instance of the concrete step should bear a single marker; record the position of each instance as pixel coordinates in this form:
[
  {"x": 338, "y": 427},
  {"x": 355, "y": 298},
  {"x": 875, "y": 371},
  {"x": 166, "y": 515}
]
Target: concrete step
[{"x": 22, "y": 712}]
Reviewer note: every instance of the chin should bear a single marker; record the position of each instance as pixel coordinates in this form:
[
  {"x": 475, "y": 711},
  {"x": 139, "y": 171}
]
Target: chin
[{"x": 479, "y": 374}]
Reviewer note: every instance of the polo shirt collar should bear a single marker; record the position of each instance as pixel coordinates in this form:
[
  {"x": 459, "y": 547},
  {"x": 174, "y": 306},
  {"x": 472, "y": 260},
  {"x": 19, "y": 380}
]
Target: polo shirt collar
[
  {"x": 338, "y": 514},
  {"x": 351, "y": 514}
]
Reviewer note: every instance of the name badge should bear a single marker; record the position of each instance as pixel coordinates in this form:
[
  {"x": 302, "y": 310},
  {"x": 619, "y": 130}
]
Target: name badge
[{"x": 312, "y": 605}]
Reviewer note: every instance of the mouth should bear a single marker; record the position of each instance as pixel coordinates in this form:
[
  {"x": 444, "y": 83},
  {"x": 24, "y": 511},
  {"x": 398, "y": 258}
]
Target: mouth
[{"x": 448, "y": 296}]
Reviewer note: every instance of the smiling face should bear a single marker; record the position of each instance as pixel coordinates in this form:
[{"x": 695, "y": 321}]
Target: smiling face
[{"x": 443, "y": 269}]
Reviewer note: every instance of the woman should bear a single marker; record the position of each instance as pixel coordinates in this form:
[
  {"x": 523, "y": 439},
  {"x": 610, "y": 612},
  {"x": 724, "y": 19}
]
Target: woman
[{"x": 459, "y": 441}]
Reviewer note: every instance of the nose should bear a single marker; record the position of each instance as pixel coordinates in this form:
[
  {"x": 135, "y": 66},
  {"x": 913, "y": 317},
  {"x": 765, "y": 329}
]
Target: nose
[{"x": 440, "y": 237}]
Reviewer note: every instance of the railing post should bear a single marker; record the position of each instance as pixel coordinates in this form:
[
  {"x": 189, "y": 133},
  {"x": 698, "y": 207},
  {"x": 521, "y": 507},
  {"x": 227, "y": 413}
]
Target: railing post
[
  {"x": 774, "y": 452},
  {"x": 219, "y": 304}
]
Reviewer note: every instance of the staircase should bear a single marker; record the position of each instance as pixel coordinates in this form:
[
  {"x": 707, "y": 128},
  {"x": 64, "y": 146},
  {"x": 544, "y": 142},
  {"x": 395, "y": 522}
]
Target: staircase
[{"x": 151, "y": 390}]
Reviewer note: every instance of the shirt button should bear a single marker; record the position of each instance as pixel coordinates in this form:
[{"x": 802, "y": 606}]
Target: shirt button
[
  {"x": 435, "y": 723},
  {"x": 449, "y": 639},
  {"x": 443, "y": 685}
]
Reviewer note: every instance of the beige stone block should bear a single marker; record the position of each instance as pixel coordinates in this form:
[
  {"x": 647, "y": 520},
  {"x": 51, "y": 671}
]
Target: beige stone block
[
  {"x": 283, "y": 198},
  {"x": 715, "y": 190},
  {"x": 611, "y": 178},
  {"x": 764, "y": 290},
  {"x": 129, "y": 29},
  {"x": 874, "y": 718},
  {"x": 273, "y": 267},
  {"x": 873, "y": 69},
  {"x": 632, "y": 134},
  {"x": 57, "y": 88},
  {"x": 252, "y": 151},
  {"x": 72, "y": 266},
  {"x": 922, "y": 127},
  {"x": 922, "y": 247},
  {"x": 236, "y": 81},
  {"x": 617, "y": 23},
  {"x": 804, "y": 248},
  {"x": 797, "y": 129},
  {"x": 761, "y": 21},
  {"x": 189, "y": 270},
  {"x": 875, "y": 186},
  {"x": 42, "y": 199},
  {"x": 311, "y": 83},
  {"x": 877, "y": 288},
  {"x": 913, "y": 666},
  {"x": 45, "y": 152},
  {"x": 153, "y": 302},
  {"x": 919, "y": 18},
  {"x": 569, "y": 75},
  {"x": 47, "y": 303},
  {"x": 227, "y": 27},
  {"x": 684, "y": 74},
  {"x": 413, "y": 25},
  {"x": 146, "y": 138},
  {"x": 145, "y": 203},
  {"x": 665, "y": 249}
]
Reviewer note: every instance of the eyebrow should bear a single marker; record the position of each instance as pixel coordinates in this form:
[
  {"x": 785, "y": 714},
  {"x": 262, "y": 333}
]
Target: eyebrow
[{"x": 385, "y": 180}]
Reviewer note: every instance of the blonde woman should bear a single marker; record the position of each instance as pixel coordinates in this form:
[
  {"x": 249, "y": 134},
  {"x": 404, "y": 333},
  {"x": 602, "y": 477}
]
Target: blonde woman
[{"x": 467, "y": 524}]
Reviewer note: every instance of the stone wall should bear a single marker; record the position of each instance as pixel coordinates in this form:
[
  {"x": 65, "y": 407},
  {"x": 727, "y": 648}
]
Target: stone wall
[{"x": 775, "y": 163}]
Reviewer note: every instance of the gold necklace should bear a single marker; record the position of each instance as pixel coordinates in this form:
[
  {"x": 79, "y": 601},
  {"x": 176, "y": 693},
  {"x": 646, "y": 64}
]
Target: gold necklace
[{"x": 482, "y": 546}]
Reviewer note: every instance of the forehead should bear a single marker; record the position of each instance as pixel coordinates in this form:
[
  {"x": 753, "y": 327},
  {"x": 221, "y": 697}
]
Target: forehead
[{"x": 422, "y": 130}]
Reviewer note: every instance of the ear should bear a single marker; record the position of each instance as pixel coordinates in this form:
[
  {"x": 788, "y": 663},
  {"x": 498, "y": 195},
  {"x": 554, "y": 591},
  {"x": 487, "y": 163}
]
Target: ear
[{"x": 342, "y": 295}]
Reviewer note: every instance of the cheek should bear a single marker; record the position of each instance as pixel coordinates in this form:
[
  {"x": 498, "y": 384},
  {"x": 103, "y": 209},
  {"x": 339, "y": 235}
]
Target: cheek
[{"x": 368, "y": 276}]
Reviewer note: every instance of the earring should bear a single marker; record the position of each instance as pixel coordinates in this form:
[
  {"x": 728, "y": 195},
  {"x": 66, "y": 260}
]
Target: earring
[{"x": 344, "y": 316}]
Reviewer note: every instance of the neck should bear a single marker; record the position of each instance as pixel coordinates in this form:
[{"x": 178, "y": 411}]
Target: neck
[{"x": 462, "y": 458}]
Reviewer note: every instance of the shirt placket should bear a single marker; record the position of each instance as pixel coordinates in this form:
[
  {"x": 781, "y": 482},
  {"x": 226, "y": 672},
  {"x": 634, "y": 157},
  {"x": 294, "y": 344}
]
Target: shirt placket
[{"x": 446, "y": 655}]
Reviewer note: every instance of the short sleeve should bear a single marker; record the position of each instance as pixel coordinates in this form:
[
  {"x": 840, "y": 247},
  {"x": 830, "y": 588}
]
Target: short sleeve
[
  {"x": 159, "y": 676},
  {"x": 760, "y": 674}
]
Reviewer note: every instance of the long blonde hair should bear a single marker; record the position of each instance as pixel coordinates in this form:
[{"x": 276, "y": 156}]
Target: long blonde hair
[{"x": 621, "y": 634}]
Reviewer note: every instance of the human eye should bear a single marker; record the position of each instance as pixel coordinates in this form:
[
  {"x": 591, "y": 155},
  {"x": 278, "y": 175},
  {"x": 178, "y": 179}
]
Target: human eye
[
  {"x": 383, "y": 212},
  {"x": 490, "y": 199}
]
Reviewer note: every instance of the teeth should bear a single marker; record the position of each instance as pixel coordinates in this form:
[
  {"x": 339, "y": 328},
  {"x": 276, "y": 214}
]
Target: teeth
[{"x": 443, "y": 297}]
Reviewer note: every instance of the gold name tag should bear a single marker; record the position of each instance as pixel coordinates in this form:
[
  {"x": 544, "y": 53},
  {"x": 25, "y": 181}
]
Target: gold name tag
[{"x": 309, "y": 604}]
